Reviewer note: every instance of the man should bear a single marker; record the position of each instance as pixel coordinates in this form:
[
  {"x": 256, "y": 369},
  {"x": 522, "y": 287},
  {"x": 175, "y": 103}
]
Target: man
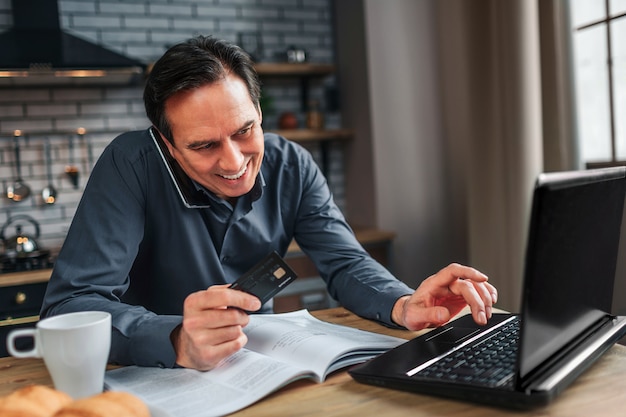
[{"x": 162, "y": 267}]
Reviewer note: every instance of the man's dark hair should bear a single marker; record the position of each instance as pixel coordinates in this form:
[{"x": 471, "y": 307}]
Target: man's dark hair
[{"x": 191, "y": 64}]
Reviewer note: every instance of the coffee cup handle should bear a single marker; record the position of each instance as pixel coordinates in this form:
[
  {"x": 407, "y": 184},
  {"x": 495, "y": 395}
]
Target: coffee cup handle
[{"x": 15, "y": 334}]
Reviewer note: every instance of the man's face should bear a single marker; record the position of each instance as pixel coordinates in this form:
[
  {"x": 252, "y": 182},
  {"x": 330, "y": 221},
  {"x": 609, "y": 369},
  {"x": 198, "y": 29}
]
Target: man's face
[{"x": 217, "y": 135}]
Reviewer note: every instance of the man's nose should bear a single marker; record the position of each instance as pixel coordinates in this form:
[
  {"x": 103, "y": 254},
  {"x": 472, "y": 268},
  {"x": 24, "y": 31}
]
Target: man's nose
[{"x": 231, "y": 158}]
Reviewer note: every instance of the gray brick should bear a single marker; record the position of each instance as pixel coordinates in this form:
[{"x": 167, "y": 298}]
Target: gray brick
[
  {"x": 280, "y": 27},
  {"x": 102, "y": 22},
  {"x": 123, "y": 8},
  {"x": 260, "y": 13},
  {"x": 104, "y": 108},
  {"x": 238, "y": 26},
  {"x": 93, "y": 123},
  {"x": 302, "y": 14},
  {"x": 277, "y": 3},
  {"x": 51, "y": 110},
  {"x": 216, "y": 11},
  {"x": 27, "y": 125},
  {"x": 11, "y": 110},
  {"x": 147, "y": 22},
  {"x": 68, "y": 7},
  {"x": 23, "y": 95},
  {"x": 238, "y": 2},
  {"x": 173, "y": 10},
  {"x": 76, "y": 94},
  {"x": 113, "y": 37},
  {"x": 200, "y": 25},
  {"x": 124, "y": 93}
]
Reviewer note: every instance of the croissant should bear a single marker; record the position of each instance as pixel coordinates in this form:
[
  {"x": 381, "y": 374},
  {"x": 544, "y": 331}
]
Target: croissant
[
  {"x": 33, "y": 401},
  {"x": 106, "y": 404}
]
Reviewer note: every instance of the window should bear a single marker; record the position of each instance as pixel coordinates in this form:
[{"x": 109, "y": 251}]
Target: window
[{"x": 599, "y": 41}]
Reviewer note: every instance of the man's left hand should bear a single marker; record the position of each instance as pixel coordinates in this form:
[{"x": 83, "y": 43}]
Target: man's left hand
[{"x": 443, "y": 295}]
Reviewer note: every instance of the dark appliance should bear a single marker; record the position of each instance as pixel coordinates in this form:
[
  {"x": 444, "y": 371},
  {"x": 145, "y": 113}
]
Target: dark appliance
[{"x": 36, "y": 51}]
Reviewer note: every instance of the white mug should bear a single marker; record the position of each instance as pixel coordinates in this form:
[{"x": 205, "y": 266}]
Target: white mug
[{"x": 75, "y": 348}]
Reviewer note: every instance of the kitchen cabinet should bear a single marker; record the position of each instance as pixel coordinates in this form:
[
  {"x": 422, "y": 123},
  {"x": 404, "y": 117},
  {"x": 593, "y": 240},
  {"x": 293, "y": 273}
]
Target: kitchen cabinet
[{"x": 21, "y": 296}]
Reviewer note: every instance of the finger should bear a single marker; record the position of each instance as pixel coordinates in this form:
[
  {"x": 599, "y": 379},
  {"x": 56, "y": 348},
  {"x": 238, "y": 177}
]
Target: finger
[
  {"x": 470, "y": 294},
  {"x": 215, "y": 318},
  {"x": 485, "y": 294},
  {"x": 419, "y": 318},
  {"x": 206, "y": 354},
  {"x": 219, "y": 352},
  {"x": 220, "y": 296},
  {"x": 455, "y": 271},
  {"x": 204, "y": 334},
  {"x": 493, "y": 291}
]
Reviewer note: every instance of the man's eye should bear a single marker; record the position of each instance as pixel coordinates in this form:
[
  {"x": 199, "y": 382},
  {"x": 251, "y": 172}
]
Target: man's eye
[
  {"x": 209, "y": 145},
  {"x": 244, "y": 131}
]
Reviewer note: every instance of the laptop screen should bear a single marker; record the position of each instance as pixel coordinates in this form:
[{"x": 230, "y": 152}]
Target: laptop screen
[{"x": 570, "y": 260}]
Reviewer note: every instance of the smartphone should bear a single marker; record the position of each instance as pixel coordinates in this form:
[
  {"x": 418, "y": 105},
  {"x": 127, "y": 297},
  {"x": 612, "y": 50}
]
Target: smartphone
[{"x": 187, "y": 191}]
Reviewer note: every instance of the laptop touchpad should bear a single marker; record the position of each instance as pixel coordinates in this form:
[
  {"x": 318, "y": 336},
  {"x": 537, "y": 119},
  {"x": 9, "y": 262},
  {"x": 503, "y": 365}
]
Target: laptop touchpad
[{"x": 453, "y": 335}]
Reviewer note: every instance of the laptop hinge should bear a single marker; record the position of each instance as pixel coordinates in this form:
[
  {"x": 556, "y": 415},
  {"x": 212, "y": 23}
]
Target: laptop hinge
[{"x": 579, "y": 358}]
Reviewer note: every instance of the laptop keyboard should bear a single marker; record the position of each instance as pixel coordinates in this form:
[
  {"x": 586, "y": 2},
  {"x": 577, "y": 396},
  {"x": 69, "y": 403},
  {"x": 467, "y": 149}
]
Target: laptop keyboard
[{"x": 489, "y": 362}]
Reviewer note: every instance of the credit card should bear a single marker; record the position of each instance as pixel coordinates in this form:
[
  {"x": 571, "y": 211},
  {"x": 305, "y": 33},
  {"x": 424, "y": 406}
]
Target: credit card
[{"x": 266, "y": 278}]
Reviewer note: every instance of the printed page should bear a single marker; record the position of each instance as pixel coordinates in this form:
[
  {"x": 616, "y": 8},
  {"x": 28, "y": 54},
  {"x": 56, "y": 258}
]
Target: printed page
[
  {"x": 307, "y": 342},
  {"x": 281, "y": 348},
  {"x": 236, "y": 383}
]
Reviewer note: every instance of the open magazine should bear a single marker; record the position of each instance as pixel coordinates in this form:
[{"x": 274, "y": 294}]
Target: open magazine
[{"x": 281, "y": 349}]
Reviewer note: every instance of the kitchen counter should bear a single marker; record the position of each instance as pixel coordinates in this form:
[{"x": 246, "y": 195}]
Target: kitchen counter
[{"x": 25, "y": 277}]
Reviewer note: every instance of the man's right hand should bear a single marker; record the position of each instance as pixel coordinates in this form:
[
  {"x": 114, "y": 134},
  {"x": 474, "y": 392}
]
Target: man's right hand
[{"x": 212, "y": 328}]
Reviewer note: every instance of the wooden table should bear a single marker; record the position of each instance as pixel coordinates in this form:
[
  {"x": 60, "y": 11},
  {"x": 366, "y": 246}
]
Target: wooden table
[{"x": 598, "y": 392}]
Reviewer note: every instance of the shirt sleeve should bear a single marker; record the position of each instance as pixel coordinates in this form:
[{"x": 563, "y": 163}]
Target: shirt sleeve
[
  {"x": 92, "y": 269},
  {"x": 353, "y": 277}
]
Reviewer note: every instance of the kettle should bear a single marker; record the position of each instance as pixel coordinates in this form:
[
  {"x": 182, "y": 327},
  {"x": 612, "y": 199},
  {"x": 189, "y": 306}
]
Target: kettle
[{"x": 20, "y": 245}]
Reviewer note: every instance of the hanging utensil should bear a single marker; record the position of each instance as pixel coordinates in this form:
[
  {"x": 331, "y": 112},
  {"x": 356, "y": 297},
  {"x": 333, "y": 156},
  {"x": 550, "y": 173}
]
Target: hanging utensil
[
  {"x": 18, "y": 190},
  {"x": 71, "y": 170},
  {"x": 86, "y": 142},
  {"x": 49, "y": 193}
]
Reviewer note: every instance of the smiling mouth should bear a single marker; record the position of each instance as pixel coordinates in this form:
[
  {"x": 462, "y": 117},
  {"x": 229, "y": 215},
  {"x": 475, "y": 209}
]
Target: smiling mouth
[{"x": 237, "y": 175}]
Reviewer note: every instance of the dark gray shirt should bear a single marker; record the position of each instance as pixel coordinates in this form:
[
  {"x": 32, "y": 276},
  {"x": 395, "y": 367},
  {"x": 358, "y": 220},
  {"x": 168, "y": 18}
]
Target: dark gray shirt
[{"x": 135, "y": 250}]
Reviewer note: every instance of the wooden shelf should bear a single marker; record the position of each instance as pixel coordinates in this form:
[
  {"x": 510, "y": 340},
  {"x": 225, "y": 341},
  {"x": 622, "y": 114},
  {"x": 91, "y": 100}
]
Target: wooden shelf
[
  {"x": 296, "y": 69},
  {"x": 308, "y": 135},
  {"x": 366, "y": 237}
]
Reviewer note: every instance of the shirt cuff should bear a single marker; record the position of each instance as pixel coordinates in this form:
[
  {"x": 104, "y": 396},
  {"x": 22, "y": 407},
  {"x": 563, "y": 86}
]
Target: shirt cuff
[{"x": 150, "y": 344}]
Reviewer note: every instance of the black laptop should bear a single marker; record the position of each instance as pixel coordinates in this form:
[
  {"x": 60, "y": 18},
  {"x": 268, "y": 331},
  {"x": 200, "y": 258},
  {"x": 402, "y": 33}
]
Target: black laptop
[{"x": 525, "y": 360}]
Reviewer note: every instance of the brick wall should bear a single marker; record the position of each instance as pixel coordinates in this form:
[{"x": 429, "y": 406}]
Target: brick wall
[{"x": 144, "y": 30}]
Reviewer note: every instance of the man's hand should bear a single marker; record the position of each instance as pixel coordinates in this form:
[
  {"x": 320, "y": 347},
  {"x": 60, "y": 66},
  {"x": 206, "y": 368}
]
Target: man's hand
[
  {"x": 445, "y": 294},
  {"x": 212, "y": 328}
]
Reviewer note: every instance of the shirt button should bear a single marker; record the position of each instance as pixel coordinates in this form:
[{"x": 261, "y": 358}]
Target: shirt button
[{"x": 225, "y": 259}]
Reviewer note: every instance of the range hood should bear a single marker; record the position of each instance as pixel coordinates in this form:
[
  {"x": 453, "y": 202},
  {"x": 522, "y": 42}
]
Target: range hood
[{"x": 37, "y": 52}]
